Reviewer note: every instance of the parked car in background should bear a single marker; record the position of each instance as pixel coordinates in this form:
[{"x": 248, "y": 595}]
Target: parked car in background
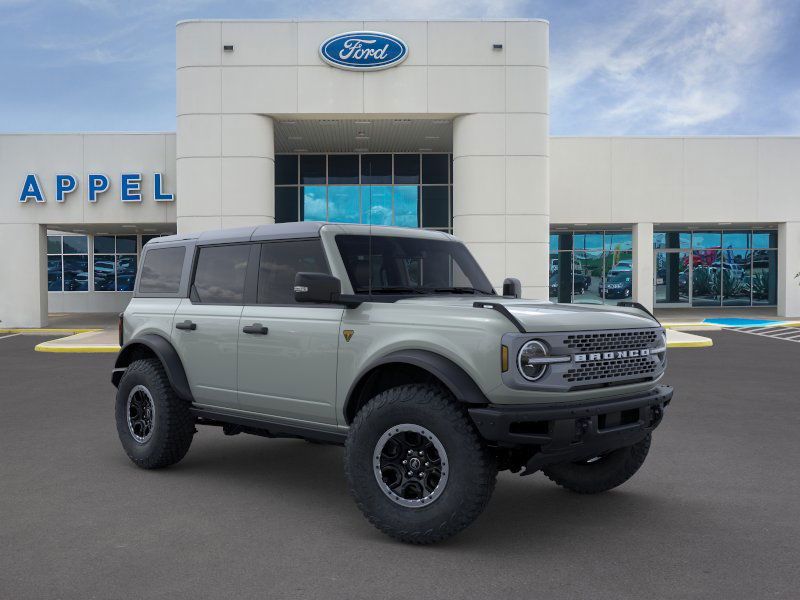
[{"x": 618, "y": 285}]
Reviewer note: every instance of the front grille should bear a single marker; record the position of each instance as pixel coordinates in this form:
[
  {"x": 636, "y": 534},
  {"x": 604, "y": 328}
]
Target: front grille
[
  {"x": 613, "y": 369},
  {"x": 614, "y": 340}
]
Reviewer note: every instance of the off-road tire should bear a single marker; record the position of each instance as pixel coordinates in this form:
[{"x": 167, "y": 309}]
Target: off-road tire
[
  {"x": 472, "y": 467},
  {"x": 173, "y": 425},
  {"x": 607, "y": 472}
]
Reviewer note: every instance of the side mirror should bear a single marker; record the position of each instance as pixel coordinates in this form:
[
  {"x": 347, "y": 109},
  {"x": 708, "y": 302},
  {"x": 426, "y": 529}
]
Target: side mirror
[
  {"x": 512, "y": 287},
  {"x": 317, "y": 287}
]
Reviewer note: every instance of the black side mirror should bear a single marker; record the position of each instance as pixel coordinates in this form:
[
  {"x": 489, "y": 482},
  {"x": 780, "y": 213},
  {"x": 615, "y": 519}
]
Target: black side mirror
[
  {"x": 317, "y": 287},
  {"x": 512, "y": 287}
]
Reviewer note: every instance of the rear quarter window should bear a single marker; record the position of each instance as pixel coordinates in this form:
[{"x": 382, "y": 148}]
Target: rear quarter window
[{"x": 161, "y": 270}]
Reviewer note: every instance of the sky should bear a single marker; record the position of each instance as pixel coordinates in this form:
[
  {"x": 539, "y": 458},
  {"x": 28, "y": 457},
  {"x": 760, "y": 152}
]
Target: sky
[{"x": 617, "y": 67}]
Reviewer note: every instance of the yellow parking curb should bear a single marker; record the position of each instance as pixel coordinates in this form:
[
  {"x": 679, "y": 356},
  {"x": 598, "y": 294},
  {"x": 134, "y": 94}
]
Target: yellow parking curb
[
  {"x": 699, "y": 325},
  {"x": 702, "y": 343},
  {"x": 46, "y": 330},
  {"x": 45, "y": 347}
]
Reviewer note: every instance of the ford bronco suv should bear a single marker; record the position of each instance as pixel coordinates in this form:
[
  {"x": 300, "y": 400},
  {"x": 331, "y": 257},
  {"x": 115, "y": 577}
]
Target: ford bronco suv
[{"x": 393, "y": 343}]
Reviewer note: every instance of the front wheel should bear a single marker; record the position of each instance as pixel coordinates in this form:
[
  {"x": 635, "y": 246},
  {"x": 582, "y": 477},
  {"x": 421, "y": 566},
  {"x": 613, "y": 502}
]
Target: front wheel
[
  {"x": 600, "y": 473},
  {"x": 416, "y": 466}
]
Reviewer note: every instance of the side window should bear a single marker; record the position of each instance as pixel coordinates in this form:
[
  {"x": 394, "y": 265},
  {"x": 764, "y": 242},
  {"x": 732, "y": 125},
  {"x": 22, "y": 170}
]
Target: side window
[
  {"x": 161, "y": 271},
  {"x": 280, "y": 262},
  {"x": 220, "y": 274}
]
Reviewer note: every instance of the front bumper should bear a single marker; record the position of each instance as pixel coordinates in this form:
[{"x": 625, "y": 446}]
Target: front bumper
[{"x": 559, "y": 433}]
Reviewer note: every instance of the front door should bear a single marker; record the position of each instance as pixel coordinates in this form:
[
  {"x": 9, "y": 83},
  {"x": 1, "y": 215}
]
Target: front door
[
  {"x": 288, "y": 352},
  {"x": 206, "y": 325}
]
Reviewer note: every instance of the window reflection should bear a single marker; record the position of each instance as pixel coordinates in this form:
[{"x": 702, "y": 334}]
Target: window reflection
[
  {"x": 314, "y": 203},
  {"x": 406, "y": 206},
  {"x": 343, "y": 204},
  {"x": 376, "y": 204}
]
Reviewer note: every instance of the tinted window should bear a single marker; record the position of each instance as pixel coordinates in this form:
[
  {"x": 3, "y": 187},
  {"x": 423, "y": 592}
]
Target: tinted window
[
  {"x": 312, "y": 168},
  {"x": 126, "y": 244},
  {"x": 286, "y": 169},
  {"x": 54, "y": 244},
  {"x": 286, "y": 204},
  {"x": 280, "y": 262},
  {"x": 399, "y": 265},
  {"x": 220, "y": 273},
  {"x": 434, "y": 168},
  {"x": 104, "y": 244},
  {"x": 161, "y": 271},
  {"x": 434, "y": 207},
  {"x": 406, "y": 168},
  {"x": 343, "y": 168},
  {"x": 376, "y": 168},
  {"x": 75, "y": 244}
]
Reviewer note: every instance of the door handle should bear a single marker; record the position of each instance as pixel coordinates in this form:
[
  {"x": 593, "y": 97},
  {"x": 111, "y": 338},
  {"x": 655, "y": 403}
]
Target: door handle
[
  {"x": 256, "y": 328},
  {"x": 186, "y": 325}
]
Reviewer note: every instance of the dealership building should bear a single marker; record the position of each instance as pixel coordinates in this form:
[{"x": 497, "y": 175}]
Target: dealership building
[{"x": 434, "y": 124}]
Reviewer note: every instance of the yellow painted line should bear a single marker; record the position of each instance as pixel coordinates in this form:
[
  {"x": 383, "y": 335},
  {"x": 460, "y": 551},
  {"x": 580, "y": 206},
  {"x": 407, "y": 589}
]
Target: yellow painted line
[
  {"x": 695, "y": 324},
  {"x": 702, "y": 343},
  {"x": 48, "y": 330},
  {"x": 98, "y": 349}
]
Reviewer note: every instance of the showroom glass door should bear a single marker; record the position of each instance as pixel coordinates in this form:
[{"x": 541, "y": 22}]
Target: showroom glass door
[{"x": 673, "y": 276}]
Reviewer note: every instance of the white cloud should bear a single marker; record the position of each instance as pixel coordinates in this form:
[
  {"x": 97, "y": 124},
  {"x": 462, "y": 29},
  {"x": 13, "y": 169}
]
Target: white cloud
[{"x": 670, "y": 69}]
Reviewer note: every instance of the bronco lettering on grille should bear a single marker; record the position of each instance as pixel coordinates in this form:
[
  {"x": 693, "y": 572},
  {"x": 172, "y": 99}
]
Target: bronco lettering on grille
[{"x": 611, "y": 355}]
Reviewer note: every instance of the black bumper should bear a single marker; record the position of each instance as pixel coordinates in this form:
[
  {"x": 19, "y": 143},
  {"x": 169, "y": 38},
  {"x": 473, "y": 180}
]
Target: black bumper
[{"x": 558, "y": 433}]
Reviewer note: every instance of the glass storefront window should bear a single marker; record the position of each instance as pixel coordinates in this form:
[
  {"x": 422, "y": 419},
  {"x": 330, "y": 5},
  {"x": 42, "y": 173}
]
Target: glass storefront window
[
  {"x": 672, "y": 277},
  {"x": 312, "y": 169},
  {"x": 54, "y": 273},
  {"x": 76, "y": 273},
  {"x": 765, "y": 239},
  {"x": 765, "y": 277},
  {"x": 286, "y": 169},
  {"x": 406, "y": 206},
  {"x": 54, "y": 244},
  {"x": 75, "y": 244},
  {"x": 126, "y": 244},
  {"x": 376, "y": 168},
  {"x": 706, "y": 239},
  {"x": 588, "y": 241},
  {"x": 587, "y": 275},
  {"x": 343, "y": 203},
  {"x": 435, "y": 205},
  {"x": 126, "y": 272},
  {"x": 104, "y": 272},
  {"x": 435, "y": 168},
  {"x": 618, "y": 241},
  {"x": 286, "y": 207},
  {"x": 376, "y": 204},
  {"x": 314, "y": 203},
  {"x": 553, "y": 243},
  {"x": 736, "y": 239},
  {"x": 345, "y": 188},
  {"x": 406, "y": 168},
  {"x": 727, "y": 268},
  {"x": 343, "y": 169},
  {"x": 706, "y": 278}
]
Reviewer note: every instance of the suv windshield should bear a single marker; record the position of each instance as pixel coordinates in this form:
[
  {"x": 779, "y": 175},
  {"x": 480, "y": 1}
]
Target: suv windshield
[{"x": 409, "y": 265}]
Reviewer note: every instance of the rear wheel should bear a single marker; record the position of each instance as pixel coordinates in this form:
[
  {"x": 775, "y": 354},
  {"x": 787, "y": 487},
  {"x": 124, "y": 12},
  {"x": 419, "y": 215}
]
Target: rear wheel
[
  {"x": 153, "y": 424},
  {"x": 416, "y": 466},
  {"x": 600, "y": 473}
]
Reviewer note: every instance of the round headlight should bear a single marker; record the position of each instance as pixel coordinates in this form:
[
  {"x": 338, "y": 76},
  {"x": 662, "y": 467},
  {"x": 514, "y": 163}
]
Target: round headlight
[{"x": 532, "y": 350}]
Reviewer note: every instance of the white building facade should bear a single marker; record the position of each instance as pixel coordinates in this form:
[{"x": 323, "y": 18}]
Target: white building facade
[{"x": 443, "y": 126}]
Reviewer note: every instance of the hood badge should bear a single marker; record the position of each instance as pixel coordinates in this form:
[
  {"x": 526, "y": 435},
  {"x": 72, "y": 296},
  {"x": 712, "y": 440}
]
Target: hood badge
[{"x": 347, "y": 333}]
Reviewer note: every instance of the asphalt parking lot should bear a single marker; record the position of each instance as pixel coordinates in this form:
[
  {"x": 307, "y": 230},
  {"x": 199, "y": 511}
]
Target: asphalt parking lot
[{"x": 714, "y": 512}]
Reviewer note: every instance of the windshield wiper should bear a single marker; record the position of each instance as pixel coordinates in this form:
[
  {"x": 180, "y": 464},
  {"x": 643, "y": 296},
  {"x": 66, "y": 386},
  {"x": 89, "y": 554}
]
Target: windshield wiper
[{"x": 461, "y": 290}]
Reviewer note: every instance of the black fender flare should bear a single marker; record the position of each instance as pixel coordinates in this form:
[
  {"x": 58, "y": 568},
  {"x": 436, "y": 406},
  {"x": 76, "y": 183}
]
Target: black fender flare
[
  {"x": 165, "y": 352},
  {"x": 460, "y": 384}
]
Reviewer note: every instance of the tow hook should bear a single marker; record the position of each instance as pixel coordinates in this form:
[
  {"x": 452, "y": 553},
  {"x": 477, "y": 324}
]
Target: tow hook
[{"x": 581, "y": 427}]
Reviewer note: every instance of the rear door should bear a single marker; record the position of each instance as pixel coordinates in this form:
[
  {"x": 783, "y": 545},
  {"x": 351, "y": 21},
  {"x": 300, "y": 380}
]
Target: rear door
[
  {"x": 205, "y": 329},
  {"x": 287, "y": 351}
]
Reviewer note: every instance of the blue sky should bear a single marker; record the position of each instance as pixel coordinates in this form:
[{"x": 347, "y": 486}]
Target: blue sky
[{"x": 666, "y": 67}]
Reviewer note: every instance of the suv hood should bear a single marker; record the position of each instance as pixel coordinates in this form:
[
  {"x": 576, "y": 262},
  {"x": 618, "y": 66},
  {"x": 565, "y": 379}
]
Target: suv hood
[{"x": 541, "y": 315}]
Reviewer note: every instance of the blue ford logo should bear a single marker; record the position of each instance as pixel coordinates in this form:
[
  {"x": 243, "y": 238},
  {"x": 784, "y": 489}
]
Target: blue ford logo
[{"x": 363, "y": 50}]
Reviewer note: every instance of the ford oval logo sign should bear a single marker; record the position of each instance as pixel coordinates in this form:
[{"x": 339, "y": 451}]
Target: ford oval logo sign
[{"x": 363, "y": 50}]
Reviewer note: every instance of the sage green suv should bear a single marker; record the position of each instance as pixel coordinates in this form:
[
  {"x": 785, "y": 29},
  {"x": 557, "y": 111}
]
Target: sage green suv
[{"x": 393, "y": 343}]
